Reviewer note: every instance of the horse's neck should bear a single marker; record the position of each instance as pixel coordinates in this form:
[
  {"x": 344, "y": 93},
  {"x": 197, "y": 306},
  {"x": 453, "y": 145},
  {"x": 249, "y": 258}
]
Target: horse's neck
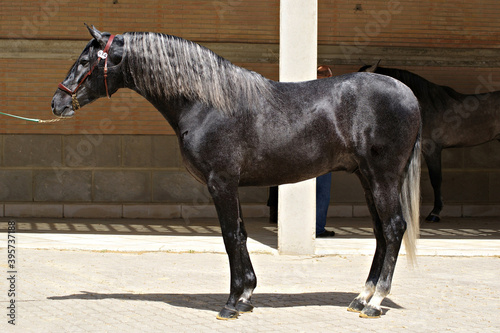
[{"x": 172, "y": 68}]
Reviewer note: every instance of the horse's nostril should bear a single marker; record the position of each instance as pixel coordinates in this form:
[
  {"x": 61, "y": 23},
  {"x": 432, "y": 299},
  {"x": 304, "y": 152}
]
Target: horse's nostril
[{"x": 52, "y": 105}]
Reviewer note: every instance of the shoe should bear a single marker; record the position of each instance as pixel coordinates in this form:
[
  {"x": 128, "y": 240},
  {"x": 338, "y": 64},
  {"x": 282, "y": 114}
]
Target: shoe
[{"x": 326, "y": 234}]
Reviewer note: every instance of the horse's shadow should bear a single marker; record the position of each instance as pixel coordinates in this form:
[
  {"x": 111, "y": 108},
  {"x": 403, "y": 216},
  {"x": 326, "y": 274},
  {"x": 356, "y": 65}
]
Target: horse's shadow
[{"x": 214, "y": 301}]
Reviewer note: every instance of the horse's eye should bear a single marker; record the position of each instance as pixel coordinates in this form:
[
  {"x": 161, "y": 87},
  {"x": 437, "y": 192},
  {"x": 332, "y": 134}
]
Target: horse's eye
[{"x": 84, "y": 62}]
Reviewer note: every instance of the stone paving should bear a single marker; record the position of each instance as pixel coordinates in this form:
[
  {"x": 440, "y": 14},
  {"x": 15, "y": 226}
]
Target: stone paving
[{"x": 64, "y": 290}]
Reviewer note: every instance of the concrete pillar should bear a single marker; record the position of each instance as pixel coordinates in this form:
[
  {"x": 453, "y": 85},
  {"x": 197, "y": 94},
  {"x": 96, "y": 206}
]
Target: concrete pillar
[{"x": 298, "y": 57}]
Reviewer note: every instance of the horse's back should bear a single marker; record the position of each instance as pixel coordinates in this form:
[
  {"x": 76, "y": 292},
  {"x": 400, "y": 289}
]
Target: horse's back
[
  {"x": 330, "y": 124},
  {"x": 369, "y": 106},
  {"x": 385, "y": 94},
  {"x": 464, "y": 121}
]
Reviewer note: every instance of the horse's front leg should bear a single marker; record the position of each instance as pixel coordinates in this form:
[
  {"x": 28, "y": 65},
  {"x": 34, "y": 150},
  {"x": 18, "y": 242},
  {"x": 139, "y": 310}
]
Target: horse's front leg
[{"x": 243, "y": 279}]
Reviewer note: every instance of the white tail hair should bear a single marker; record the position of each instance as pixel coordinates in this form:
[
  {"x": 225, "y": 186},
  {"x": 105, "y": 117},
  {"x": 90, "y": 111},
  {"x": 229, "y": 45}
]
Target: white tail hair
[{"x": 410, "y": 202}]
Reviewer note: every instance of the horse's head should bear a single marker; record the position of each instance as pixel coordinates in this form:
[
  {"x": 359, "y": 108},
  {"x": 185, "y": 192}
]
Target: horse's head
[
  {"x": 95, "y": 74},
  {"x": 370, "y": 68}
]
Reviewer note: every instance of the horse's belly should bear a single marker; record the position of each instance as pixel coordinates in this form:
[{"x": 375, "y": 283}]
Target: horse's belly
[
  {"x": 273, "y": 171},
  {"x": 466, "y": 137}
]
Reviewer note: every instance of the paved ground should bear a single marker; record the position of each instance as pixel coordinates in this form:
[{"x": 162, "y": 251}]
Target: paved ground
[{"x": 83, "y": 290}]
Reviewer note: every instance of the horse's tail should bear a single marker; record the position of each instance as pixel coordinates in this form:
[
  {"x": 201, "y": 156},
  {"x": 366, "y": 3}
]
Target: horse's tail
[{"x": 410, "y": 201}]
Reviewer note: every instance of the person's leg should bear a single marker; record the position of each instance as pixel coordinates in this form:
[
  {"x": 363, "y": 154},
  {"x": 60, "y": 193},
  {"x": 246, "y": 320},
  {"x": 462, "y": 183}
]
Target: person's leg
[
  {"x": 272, "y": 203},
  {"x": 323, "y": 184}
]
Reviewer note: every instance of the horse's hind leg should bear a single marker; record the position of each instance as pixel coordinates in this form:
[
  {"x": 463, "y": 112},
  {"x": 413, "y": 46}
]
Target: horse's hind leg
[
  {"x": 393, "y": 229},
  {"x": 433, "y": 161},
  {"x": 243, "y": 280},
  {"x": 359, "y": 303},
  {"x": 389, "y": 233}
]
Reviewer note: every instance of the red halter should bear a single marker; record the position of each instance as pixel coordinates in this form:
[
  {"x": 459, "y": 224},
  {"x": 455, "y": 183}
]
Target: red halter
[{"x": 101, "y": 55}]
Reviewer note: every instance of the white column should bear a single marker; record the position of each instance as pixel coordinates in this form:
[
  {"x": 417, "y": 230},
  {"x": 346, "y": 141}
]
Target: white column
[{"x": 298, "y": 61}]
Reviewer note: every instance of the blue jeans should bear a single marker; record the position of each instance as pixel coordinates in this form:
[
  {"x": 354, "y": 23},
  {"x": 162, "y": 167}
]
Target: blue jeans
[{"x": 323, "y": 184}]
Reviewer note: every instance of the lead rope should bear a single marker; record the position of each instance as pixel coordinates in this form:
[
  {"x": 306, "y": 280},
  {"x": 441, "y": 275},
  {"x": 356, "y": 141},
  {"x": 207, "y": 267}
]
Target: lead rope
[{"x": 40, "y": 121}]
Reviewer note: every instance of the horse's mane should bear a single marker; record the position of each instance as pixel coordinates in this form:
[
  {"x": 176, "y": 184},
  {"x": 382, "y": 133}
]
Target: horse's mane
[
  {"x": 426, "y": 92},
  {"x": 166, "y": 66}
]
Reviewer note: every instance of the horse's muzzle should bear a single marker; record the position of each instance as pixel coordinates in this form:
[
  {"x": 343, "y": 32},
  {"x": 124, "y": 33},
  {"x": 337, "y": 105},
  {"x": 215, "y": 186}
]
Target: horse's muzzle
[{"x": 64, "y": 111}]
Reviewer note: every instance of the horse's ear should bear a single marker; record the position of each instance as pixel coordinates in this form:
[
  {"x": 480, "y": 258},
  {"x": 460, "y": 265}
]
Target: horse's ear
[
  {"x": 96, "y": 34},
  {"x": 373, "y": 69}
]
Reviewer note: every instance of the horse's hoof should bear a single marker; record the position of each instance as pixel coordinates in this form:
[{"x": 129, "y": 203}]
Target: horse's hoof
[
  {"x": 356, "y": 306},
  {"x": 432, "y": 218},
  {"x": 370, "y": 312},
  {"x": 227, "y": 314},
  {"x": 244, "y": 307}
]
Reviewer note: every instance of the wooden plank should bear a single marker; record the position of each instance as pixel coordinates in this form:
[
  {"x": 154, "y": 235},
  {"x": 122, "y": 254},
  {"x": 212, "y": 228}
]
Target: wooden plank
[{"x": 269, "y": 53}]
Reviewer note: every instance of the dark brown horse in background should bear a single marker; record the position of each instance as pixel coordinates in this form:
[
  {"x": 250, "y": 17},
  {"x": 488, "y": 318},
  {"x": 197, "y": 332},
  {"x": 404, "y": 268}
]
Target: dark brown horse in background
[
  {"x": 237, "y": 128},
  {"x": 449, "y": 120}
]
